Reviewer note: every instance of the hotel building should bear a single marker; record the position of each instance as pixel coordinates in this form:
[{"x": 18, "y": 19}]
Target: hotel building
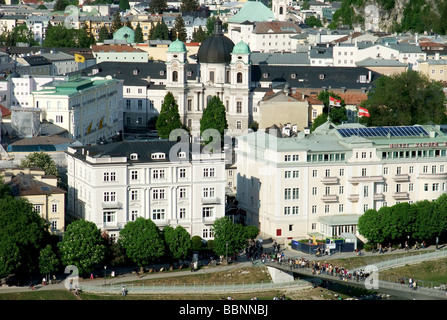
[{"x": 320, "y": 183}]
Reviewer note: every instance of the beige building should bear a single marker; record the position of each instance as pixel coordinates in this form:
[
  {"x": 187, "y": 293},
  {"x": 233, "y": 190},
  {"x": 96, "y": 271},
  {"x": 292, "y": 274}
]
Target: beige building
[
  {"x": 434, "y": 69},
  {"x": 320, "y": 183},
  {"x": 42, "y": 192}
]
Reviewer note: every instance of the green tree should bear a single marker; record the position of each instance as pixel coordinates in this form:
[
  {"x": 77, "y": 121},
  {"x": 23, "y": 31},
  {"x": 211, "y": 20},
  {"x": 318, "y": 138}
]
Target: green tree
[
  {"x": 370, "y": 225},
  {"x": 319, "y": 120},
  {"x": 40, "y": 160},
  {"x": 60, "y": 5},
  {"x": 115, "y": 254},
  {"x": 22, "y": 235},
  {"x": 104, "y": 34},
  {"x": 124, "y": 5},
  {"x": 116, "y": 22},
  {"x": 251, "y": 232},
  {"x": 189, "y": 5},
  {"x": 210, "y": 25},
  {"x": 196, "y": 243},
  {"x": 179, "y": 28},
  {"x": 82, "y": 246},
  {"x": 160, "y": 31},
  {"x": 214, "y": 117},
  {"x": 407, "y": 98},
  {"x": 142, "y": 241},
  {"x": 313, "y": 22},
  {"x": 199, "y": 35},
  {"x": 158, "y": 6},
  {"x": 426, "y": 224},
  {"x": 337, "y": 115},
  {"x": 169, "y": 117},
  {"x": 229, "y": 237},
  {"x": 178, "y": 242},
  {"x": 138, "y": 34},
  {"x": 48, "y": 261}
]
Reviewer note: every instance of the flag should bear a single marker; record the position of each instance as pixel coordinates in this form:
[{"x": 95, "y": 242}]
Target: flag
[
  {"x": 79, "y": 58},
  {"x": 363, "y": 112},
  {"x": 334, "y": 102}
]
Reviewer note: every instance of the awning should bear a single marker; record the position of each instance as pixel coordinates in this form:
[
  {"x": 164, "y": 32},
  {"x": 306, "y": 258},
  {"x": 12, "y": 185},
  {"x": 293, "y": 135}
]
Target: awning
[{"x": 339, "y": 219}]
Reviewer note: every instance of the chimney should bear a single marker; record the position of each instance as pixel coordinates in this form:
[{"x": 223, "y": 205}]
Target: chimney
[{"x": 306, "y": 131}]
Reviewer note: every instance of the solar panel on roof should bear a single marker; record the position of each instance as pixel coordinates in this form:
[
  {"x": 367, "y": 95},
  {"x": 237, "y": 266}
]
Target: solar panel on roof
[{"x": 402, "y": 131}]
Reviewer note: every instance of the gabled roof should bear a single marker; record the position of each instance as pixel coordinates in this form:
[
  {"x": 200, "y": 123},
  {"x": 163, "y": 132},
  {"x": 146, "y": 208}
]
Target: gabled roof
[{"x": 262, "y": 27}]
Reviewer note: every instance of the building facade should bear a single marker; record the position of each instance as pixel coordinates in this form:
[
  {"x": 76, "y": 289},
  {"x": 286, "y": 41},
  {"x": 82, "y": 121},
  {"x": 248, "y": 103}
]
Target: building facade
[
  {"x": 115, "y": 183},
  {"x": 320, "y": 183}
]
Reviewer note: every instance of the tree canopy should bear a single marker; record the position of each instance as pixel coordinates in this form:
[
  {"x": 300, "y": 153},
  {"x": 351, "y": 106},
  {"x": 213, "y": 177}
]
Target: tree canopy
[
  {"x": 229, "y": 237},
  {"x": 179, "y": 29},
  {"x": 60, "y": 36},
  {"x": 142, "y": 241},
  {"x": 189, "y": 5},
  {"x": 169, "y": 117},
  {"x": 178, "y": 242},
  {"x": 138, "y": 34},
  {"x": 406, "y": 98},
  {"x": 159, "y": 31},
  {"x": 214, "y": 117},
  {"x": 158, "y": 6},
  {"x": 82, "y": 246}
]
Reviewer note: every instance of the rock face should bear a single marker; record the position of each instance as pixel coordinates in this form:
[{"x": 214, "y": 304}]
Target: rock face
[{"x": 379, "y": 19}]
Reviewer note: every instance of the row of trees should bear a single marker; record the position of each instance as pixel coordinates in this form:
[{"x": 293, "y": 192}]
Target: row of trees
[
  {"x": 213, "y": 117},
  {"x": 27, "y": 248},
  {"x": 421, "y": 221}
]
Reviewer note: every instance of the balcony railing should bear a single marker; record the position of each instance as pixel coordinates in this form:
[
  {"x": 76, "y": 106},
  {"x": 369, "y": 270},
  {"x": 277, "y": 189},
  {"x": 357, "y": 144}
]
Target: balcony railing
[
  {"x": 379, "y": 197},
  {"x": 354, "y": 197},
  {"x": 162, "y": 222},
  {"x": 330, "y": 180},
  {"x": 359, "y": 179},
  {"x": 208, "y": 220},
  {"x": 329, "y": 198},
  {"x": 401, "y": 177},
  {"x": 112, "y": 205},
  {"x": 210, "y": 200},
  {"x": 400, "y": 195}
]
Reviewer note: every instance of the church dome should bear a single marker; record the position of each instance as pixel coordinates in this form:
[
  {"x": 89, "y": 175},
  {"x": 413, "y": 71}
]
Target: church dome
[
  {"x": 217, "y": 48},
  {"x": 124, "y": 33},
  {"x": 241, "y": 48},
  {"x": 177, "y": 46}
]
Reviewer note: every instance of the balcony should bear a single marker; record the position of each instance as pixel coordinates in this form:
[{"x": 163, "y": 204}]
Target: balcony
[
  {"x": 401, "y": 177},
  {"x": 358, "y": 179},
  {"x": 354, "y": 197},
  {"x": 162, "y": 222},
  {"x": 400, "y": 195},
  {"x": 330, "y": 180},
  {"x": 440, "y": 175},
  {"x": 112, "y": 205},
  {"x": 329, "y": 198},
  {"x": 208, "y": 220},
  {"x": 211, "y": 200},
  {"x": 379, "y": 197}
]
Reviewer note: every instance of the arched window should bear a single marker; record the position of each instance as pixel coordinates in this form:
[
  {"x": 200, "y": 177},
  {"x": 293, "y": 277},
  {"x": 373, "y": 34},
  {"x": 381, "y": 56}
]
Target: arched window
[
  {"x": 280, "y": 10},
  {"x": 239, "y": 77},
  {"x": 174, "y": 76}
]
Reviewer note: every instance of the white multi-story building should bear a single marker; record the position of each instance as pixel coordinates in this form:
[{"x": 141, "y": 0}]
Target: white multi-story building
[
  {"x": 90, "y": 109},
  {"x": 115, "y": 183},
  {"x": 320, "y": 183}
]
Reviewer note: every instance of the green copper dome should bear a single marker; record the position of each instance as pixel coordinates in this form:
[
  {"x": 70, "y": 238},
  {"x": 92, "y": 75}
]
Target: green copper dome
[
  {"x": 177, "y": 46},
  {"x": 125, "y": 33},
  {"x": 241, "y": 48}
]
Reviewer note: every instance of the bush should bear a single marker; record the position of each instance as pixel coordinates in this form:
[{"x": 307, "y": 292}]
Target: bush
[{"x": 197, "y": 243}]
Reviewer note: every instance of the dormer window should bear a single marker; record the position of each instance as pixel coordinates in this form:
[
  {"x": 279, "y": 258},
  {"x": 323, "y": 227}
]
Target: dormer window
[
  {"x": 182, "y": 155},
  {"x": 162, "y": 73},
  {"x": 293, "y": 75},
  {"x": 158, "y": 156},
  {"x": 265, "y": 75},
  {"x": 134, "y": 156},
  {"x": 321, "y": 76},
  {"x": 135, "y": 72}
]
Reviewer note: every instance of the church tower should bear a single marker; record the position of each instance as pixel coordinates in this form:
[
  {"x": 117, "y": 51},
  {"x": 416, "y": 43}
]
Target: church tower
[{"x": 280, "y": 8}]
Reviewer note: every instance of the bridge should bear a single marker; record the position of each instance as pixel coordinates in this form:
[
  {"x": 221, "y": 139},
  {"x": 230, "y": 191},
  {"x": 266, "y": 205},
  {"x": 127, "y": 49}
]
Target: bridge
[{"x": 370, "y": 282}]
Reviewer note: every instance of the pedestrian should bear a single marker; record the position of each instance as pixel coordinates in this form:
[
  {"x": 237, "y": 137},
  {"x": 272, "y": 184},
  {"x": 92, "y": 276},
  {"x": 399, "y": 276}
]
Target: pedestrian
[
  {"x": 76, "y": 290},
  {"x": 91, "y": 276},
  {"x": 124, "y": 291}
]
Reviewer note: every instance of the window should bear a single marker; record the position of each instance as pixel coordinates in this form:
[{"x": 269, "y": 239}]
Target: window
[
  {"x": 314, "y": 173},
  {"x": 326, "y": 208},
  {"x": 189, "y": 105},
  {"x": 364, "y": 172},
  {"x": 158, "y": 194},
  {"x": 295, "y": 193},
  {"x": 385, "y": 187},
  {"x": 342, "y": 172},
  {"x": 287, "y": 174},
  {"x": 182, "y": 173},
  {"x": 314, "y": 209},
  {"x": 411, "y": 169},
  {"x": 208, "y": 172},
  {"x": 425, "y": 186},
  {"x": 212, "y": 76},
  {"x": 327, "y": 173},
  {"x": 365, "y": 191},
  {"x": 410, "y": 187},
  {"x": 158, "y": 214},
  {"x": 207, "y": 212},
  {"x": 109, "y": 176},
  {"x": 314, "y": 191},
  {"x": 286, "y": 211},
  {"x": 109, "y": 196},
  {"x": 287, "y": 193},
  {"x": 239, "y": 77},
  {"x": 435, "y": 187},
  {"x": 158, "y": 174},
  {"x": 53, "y": 225},
  {"x": 174, "y": 76},
  {"x": 295, "y": 157},
  {"x": 134, "y": 195},
  {"x": 296, "y": 174},
  {"x": 109, "y": 216},
  {"x": 365, "y": 207},
  {"x": 385, "y": 170},
  {"x": 182, "y": 213},
  {"x": 127, "y": 104},
  {"x": 134, "y": 175},
  {"x": 239, "y": 125},
  {"x": 340, "y": 208},
  {"x": 287, "y": 158},
  {"x": 38, "y": 209},
  {"x": 54, "y": 208},
  {"x": 239, "y": 107},
  {"x": 59, "y": 119},
  {"x": 133, "y": 215},
  {"x": 341, "y": 189},
  {"x": 207, "y": 233},
  {"x": 208, "y": 192}
]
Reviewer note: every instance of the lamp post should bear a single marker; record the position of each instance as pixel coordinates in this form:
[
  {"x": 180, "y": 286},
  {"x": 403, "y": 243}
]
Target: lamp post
[
  {"x": 105, "y": 273},
  {"x": 226, "y": 243}
]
